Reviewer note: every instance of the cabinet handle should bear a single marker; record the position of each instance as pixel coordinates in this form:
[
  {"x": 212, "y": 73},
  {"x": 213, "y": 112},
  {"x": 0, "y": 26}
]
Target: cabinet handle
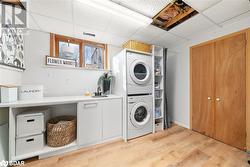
[
  {"x": 217, "y": 99},
  {"x": 209, "y": 98},
  {"x": 29, "y": 140},
  {"x": 30, "y": 120},
  {"x": 90, "y": 105}
]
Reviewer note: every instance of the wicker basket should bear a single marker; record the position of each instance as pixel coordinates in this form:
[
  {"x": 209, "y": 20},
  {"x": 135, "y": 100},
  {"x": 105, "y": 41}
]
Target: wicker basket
[
  {"x": 61, "y": 131},
  {"x": 139, "y": 46}
]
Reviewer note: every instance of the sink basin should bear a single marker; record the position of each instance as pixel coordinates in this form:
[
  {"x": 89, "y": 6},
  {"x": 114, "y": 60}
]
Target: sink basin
[{"x": 99, "y": 96}]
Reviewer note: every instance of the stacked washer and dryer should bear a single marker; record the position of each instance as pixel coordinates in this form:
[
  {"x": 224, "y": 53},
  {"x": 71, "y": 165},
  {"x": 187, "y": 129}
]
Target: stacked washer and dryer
[{"x": 134, "y": 80}]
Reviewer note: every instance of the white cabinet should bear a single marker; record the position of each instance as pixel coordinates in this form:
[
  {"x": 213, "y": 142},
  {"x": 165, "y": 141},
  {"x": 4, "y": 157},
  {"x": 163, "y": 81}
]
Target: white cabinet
[
  {"x": 112, "y": 118},
  {"x": 89, "y": 122},
  {"x": 99, "y": 121}
]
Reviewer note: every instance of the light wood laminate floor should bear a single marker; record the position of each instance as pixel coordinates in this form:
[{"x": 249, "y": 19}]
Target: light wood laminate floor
[{"x": 175, "y": 147}]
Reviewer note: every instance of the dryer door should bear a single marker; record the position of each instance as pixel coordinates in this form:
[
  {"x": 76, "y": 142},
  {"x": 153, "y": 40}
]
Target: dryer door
[
  {"x": 140, "y": 115},
  {"x": 140, "y": 72}
]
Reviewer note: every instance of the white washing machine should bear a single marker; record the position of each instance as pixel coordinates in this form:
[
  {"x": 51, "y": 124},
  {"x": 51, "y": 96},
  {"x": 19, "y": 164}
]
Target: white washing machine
[
  {"x": 140, "y": 116},
  {"x": 139, "y": 73}
]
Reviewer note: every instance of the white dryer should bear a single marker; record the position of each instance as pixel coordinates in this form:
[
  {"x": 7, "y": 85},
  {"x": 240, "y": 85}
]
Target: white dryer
[
  {"x": 139, "y": 73},
  {"x": 139, "y": 116}
]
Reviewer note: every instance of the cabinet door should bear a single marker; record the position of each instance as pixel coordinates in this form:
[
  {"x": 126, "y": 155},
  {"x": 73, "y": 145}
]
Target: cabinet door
[
  {"x": 202, "y": 72},
  {"x": 89, "y": 123},
  {"x": 230, "y": 113},
  {"x": 112, "y": 118}
]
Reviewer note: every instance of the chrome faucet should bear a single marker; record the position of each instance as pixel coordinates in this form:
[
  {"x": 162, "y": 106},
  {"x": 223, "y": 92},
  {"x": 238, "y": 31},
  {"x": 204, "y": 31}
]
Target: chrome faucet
[{"x": 99, "y": 91}]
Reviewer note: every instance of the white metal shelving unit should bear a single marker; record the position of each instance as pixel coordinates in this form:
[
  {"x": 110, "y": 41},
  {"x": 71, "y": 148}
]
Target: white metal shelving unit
[{"x": 158, "y": 88}]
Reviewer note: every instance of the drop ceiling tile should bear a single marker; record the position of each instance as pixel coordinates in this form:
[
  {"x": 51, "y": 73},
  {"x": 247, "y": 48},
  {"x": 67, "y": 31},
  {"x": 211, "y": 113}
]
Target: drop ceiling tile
[
  {"x": 122, "y": 27},
  {"x": 168, "y": 40},
  {"x": 147, "y": 7},
  {"x": 144, "y": 38},
  {"x": 227, "y": 9},
  {"x": 147, "y": 34},
  {"x": 201, "y": 4},
  {"x": 244, "y": 18},
  {"x": 192, "y": 26},
  {"x": 160, "y": 42},
  {"x": 52, "y": 25},
  {"x": 113, "y": 39},
  {"x": 60, "y": 9},
  {"x": 87, "y": 16}
]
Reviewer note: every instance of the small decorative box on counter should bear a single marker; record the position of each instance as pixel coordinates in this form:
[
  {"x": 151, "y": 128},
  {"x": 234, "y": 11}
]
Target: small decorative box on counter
[
  {"x": 30, "y": 92},
  {"x": 8, "y": 93}
]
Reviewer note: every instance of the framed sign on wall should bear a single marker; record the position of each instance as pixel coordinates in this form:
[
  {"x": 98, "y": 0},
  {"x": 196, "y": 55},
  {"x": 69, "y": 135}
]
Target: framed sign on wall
[
  {"x": 55, "y": 61},
  {"x": 12, "y": 48}
]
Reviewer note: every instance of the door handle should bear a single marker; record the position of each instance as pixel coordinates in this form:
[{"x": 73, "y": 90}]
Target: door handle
[
  {"x": 90, "y": 105},
  {"x": 209, "y": 98},
  {"x": 218, "y": 99}
]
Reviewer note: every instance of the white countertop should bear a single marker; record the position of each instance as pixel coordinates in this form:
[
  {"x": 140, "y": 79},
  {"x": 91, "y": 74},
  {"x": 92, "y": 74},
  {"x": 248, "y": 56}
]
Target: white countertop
[{"x": 55, "y": 100}]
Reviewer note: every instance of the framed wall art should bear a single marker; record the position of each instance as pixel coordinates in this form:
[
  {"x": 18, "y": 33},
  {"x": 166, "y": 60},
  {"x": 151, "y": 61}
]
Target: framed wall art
[{"x": 12, "y": 48}]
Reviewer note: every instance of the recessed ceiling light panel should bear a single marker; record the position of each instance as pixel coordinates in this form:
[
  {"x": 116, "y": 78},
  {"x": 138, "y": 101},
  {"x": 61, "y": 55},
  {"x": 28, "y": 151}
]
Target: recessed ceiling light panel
[{"x": 118, "y": 10}]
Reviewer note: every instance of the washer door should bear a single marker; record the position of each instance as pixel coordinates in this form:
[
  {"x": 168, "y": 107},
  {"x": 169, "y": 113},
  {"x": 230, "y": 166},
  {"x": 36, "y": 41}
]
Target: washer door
[
  {"x": 140, "y": 72},
  {"x": 140, "y": 115}
]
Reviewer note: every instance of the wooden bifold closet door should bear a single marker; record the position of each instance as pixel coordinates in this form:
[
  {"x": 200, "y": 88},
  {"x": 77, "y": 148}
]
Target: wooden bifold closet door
[
  {"x": 202, "y": 89},
  {"x": 230, "y": 90},
  {"x": 218, "y": 88}
]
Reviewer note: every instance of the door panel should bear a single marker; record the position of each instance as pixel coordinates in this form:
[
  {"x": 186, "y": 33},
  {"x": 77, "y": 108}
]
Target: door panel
[
  {"x": 112, "y": 118},
  {"x": 230, "y": 92},
  {"x": 89, "y": 123},
  {"x": 202, "y": 62}
]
